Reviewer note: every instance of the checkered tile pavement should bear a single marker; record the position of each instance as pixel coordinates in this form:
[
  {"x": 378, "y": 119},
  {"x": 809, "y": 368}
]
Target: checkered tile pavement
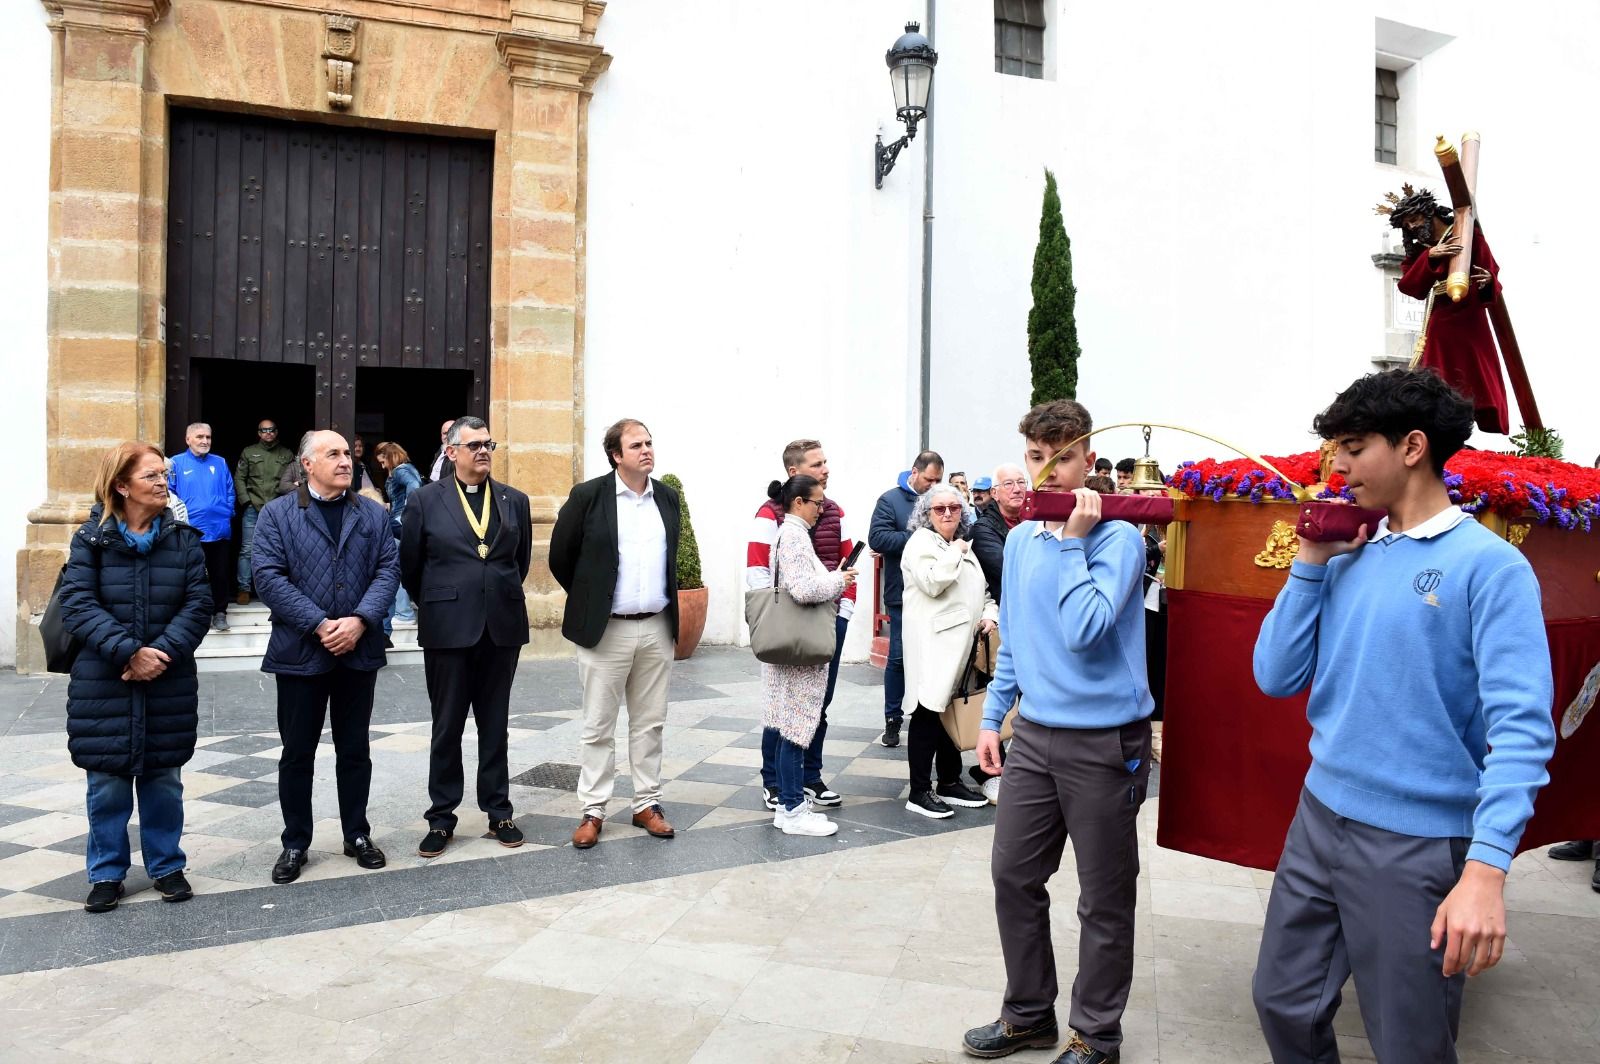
[{"x": 232, "y": 822}]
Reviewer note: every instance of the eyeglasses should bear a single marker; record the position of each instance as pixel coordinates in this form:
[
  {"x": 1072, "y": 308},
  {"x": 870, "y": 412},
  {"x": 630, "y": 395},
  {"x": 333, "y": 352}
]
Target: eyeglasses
[
  {"x": 266, "y": 432},
  {"x": 479, "y": 445},
  {"x": 814, "y": 502},
  {"x": 1019, "y": 483},
  {"x": 153, "y": 478},
  {"x": 945, "y": 511}
]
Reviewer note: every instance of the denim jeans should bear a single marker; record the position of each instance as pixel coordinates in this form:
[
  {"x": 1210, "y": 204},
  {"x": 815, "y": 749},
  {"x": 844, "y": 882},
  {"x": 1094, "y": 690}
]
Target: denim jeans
[
  {"x": 110, "y": 805},
  {"x": 894, "y": 670},
  {"x": 770, "y": 737},
  {"x": 402, "y": 609},
  {"x": 791, "y": 758},
  {"x": 247, "y": 537}
]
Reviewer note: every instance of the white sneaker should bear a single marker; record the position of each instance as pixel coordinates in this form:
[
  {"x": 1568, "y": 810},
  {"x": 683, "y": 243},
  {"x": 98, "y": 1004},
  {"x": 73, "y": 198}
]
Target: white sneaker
[
  {"x": 991, "y": 790},
  {"x": 802, "y": 821}
]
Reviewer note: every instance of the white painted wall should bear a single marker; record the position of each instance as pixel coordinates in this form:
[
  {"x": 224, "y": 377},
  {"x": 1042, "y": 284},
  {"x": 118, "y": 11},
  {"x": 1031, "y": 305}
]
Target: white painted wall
[
  {"x": 1215, "y": 173},
  {"x": 24, "y": 180}
]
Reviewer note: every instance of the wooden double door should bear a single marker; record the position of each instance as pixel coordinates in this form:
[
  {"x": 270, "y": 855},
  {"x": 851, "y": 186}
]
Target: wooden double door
[{"x": 326, "y": 277}]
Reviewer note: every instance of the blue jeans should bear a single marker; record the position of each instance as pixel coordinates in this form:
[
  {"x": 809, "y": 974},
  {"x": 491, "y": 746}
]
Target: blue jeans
[
  {"x": 790, "y": 760},
  {"x": 894, "y": 670},
  {"x": 247, "y": 537},
  {"x": 402, "y": 609},
  {"x": 110, "y": 805},
  {"x": 813, "y": 759}
]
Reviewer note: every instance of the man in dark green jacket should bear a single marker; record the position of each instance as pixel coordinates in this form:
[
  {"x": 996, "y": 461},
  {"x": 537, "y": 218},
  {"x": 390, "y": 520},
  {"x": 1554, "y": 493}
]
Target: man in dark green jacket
[{"x": 255, "y": 483}]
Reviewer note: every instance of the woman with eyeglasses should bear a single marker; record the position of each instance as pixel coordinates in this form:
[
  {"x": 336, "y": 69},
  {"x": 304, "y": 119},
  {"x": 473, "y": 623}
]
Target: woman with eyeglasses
[
  {"x": 135, "y": 594},
  {"x": 946, "y": 604},
  {"x": 792, "y": 694}
]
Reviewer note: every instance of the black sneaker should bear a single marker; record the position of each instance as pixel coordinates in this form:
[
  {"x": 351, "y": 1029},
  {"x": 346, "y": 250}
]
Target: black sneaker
[
  {"x": 819, "y": 794},
  {"x": 891, "y": 733},
  {"x": 928, "y": 804},
  {"x": 433, "y": 843},
  {"x": 769, "y": 797},
  {"x": 506, "y": 832},
  {"x": 173, "y": 887},
  {"x": 103, "y": 896},
  {"x": 958, "y": 793},
  {"x": 1000, "y": 1039},
  {"x": 1594, "y": 882},
  {"x": 1576, "y": 850}
]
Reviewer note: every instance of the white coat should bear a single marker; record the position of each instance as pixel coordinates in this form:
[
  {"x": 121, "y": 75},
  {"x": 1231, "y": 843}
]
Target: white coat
[{"x": 946, "y": 596}]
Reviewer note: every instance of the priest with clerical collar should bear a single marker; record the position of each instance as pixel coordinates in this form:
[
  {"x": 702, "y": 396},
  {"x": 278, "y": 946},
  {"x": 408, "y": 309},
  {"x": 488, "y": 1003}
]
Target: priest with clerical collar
[{"x": 466, "y": 542}]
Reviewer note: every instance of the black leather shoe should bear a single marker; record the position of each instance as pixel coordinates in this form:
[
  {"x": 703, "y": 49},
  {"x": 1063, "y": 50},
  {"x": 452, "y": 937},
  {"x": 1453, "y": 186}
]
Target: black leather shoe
[
  {"x": 287, "y": 870},
  {"x": 1001, "y": 1039},
  {"x": 433, "y": 843},
  {"x": 1576, "y": 850},
  {"x": 366, "y": 854},
  {"x": 1080, "y": 1052}
]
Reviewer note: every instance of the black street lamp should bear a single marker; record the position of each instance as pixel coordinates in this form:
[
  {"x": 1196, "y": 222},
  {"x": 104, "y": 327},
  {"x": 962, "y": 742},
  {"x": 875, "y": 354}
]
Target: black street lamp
[{"x": 911, "y": 62}]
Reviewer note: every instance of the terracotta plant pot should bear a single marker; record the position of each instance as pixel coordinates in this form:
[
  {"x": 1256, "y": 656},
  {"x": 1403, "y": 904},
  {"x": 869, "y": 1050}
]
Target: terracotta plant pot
[{"x": 691, "y": 621}]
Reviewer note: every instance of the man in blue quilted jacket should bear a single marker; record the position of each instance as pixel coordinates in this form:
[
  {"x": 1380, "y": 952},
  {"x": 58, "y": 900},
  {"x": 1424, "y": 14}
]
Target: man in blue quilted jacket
[{"x": 327, "y": 566}]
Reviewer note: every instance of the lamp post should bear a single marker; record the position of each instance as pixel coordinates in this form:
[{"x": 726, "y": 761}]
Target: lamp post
[{"x": 911, "y": 62}]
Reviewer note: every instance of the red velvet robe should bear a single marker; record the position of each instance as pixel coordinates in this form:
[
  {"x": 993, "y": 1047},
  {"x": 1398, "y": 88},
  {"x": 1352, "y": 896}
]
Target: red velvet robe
[{"x": 1460, "y": 345}]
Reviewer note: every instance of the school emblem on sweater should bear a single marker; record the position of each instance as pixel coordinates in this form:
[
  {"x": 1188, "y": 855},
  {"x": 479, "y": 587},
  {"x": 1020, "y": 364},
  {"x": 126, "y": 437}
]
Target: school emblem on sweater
[
  {"x": 1427, "y": 582},
  {"x": 1582, "y": 704}
]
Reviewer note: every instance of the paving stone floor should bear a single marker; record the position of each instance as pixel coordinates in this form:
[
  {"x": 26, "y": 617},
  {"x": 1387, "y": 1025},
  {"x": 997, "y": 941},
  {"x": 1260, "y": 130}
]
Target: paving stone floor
[{"x": 729, "y": 943}]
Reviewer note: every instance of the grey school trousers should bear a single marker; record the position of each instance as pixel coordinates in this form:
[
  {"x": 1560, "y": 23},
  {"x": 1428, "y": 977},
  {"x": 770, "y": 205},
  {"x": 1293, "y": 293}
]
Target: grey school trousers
[
  {"x": 1063, "y": 783},
  {"x": 1352, "y": 898}
]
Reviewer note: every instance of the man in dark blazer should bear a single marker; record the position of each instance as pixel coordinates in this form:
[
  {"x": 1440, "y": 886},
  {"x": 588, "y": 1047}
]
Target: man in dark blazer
[
  {"x": 465, "y": 545},
  {"x": 614, "y": 550}
]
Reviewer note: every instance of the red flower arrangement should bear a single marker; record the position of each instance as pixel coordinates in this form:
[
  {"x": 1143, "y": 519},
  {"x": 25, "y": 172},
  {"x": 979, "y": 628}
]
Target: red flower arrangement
[{"x": 1554, "y": 492}]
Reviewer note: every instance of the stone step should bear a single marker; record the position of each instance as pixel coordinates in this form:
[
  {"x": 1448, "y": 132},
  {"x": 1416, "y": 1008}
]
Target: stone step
[{"x": 249, "y": 628}]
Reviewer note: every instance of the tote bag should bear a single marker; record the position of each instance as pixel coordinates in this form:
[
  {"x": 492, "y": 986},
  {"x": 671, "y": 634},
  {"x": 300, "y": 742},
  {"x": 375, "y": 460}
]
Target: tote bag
[{"x": 786, "y": 632}]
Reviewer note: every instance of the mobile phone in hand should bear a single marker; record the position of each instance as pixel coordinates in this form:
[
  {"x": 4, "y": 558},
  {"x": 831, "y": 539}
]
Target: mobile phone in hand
[{"x": 855, "y": 553}]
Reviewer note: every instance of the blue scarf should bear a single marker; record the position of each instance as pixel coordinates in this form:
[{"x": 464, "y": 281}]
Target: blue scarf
[{"x": 140, "y": 541}]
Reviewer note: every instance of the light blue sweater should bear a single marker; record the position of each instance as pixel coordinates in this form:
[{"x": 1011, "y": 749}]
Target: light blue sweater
[
  {"x": 1431, "y": 695},
  {"x": 1072, "y": 631}
]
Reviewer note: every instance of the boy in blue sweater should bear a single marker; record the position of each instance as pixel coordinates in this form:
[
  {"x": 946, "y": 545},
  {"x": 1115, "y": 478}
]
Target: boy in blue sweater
[
  {"x": 1072, "y": 646},
  {"x": 1431, "y": 723}
]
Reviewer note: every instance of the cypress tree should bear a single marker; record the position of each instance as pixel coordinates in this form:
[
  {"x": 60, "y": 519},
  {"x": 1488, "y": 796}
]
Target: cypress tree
[
  {"x": 1052, "y": 327},
  {"x": 688, "y": 549}
]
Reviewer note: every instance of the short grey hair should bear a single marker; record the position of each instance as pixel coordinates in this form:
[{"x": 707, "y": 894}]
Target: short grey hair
[
  {"x": 189, "y": 431},
  {"x": 467, "y": 422},
  {"x": 921, "y": 518},
  {"x": 305, "y": 445},
  {"x": 1004, "y": 467}
]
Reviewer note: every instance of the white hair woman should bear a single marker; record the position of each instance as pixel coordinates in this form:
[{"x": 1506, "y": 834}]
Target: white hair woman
[{"x": 946, "y": 603}]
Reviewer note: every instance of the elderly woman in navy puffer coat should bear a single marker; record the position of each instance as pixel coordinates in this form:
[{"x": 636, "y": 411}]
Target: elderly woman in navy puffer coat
[{"x": 135, "y": 593}]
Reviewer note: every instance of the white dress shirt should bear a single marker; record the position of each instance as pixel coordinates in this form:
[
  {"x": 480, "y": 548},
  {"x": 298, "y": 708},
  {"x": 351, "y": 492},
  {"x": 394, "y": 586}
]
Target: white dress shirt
[{"x": 641, "y": 552}]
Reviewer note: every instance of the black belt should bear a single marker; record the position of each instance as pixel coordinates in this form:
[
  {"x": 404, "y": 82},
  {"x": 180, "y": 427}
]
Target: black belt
[{"x": 634, "y": 616}]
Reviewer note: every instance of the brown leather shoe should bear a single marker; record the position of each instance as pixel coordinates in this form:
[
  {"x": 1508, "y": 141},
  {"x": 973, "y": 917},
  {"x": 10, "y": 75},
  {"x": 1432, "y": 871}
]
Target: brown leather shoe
[
  {"x": 243, "y": 598},
  {"x": 588, "y": 832},
  {"x": 653, "y": 822}
]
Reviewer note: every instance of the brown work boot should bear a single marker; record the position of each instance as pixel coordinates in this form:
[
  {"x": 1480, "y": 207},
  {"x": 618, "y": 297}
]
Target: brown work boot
[
  {"x": 587, "y": 833},
  {"x": 243, "y": 598},
  {"x": 652, "y": 821}
]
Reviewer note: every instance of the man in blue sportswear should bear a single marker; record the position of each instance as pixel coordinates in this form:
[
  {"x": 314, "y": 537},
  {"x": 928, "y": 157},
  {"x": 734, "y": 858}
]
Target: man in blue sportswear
[
  {"x": 1072, "y": 621},
  {"x": 1431, "y": 724},
  {"x": 203, "y": 482}
]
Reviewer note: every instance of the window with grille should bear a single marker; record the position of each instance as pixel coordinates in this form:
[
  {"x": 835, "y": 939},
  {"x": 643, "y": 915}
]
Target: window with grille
[
  {"x": 1019, "y": 37},
  {"x": 1388, "y": 117}
]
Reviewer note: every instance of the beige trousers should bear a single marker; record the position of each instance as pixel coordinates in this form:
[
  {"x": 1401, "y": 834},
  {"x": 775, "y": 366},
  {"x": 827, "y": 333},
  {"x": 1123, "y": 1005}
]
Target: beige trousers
[{"x": 632, "y": 661}]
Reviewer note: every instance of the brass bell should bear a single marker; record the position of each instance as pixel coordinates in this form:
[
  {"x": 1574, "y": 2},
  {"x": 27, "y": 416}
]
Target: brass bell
[{"x": 1146, "y": 475}]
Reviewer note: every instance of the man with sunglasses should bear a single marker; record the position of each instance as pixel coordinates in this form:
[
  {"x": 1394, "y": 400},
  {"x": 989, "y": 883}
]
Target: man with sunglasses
[
  {"x": 465, "y": 547},
  {"x": 255, "y": 483}
]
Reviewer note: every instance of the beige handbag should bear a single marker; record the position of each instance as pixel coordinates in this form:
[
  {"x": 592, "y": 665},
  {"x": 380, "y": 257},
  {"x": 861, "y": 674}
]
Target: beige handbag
[{"x": 963, "y": 717}]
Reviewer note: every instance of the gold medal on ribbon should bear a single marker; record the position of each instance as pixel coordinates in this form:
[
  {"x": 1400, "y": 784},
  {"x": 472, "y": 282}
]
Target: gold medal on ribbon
[{"x": 479, "y": 526}]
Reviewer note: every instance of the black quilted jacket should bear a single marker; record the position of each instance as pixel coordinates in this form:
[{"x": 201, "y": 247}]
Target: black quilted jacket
[{"x": 117, "y": 601}]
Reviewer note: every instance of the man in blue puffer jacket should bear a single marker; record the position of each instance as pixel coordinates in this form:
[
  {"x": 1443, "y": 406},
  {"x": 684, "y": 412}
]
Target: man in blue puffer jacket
[
  {"x": 887, "y": 537},
  {"x": 202, "y": 481},
  {"x": 327, "y": 565}
]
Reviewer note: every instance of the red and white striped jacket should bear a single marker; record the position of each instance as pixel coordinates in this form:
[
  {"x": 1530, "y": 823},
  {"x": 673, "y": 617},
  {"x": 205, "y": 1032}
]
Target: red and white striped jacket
[{"x": 830, "y": 537}]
